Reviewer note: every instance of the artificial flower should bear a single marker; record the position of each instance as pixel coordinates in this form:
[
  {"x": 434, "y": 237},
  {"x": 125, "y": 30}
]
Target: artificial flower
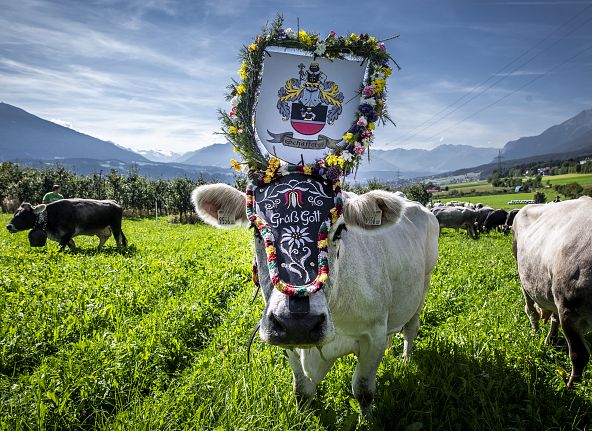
[
  {"x": 307, "y": 170},
  {"x": 242, "y": 71},
  {"x": 334, "y": 160},
  {"x": 347, "y": 157},
  {"x": 362, "y": 122},
  {"x": 235, "y": 165},
  {"x": 348, "y": 137},
  {"x": 353, "y": 37},
  {"x": 321, "y": 48},
  {"x": 369, "y": 90},
  {"x": 359, "y": 149},
  {"x": 232, "y": 130},
  {"x": 252, "y": 47},
  {"x": 240, "y": 89},
  {"x": 304, "y": 37}
]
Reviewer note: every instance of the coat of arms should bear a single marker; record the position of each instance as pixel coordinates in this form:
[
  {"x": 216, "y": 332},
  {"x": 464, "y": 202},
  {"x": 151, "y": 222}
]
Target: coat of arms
[{"x": 310, "y": 101}]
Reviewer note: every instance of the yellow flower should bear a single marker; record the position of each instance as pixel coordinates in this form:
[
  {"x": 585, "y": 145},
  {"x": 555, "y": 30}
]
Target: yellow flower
[
  {"x": 235, "y": 149},
  {"x": 235, "y": 165},
  {"x": 252, "y": 47},
  {"x": 378, "y": 85},
  {"x": 307, "y": 170},
  {"x": 322, "y": 243},
  {"x": 241, "y": 89},
  {"x": 242, "y": 72},
  {"x": 323, "y": 278},
  {"x": 333, "y": 160},
  {"x": 348, "y": 137},
  {"x": 353, "y": 36},
  {"x": 232, "y": 130},
  {"x": 270, "y": 250},
  {"x": 304, "y": 37},
  {"x": 371, "y": 126},
  {"x": 387, "y": 71}
]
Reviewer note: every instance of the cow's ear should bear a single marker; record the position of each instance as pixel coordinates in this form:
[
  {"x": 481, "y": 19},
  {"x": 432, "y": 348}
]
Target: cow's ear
[
  {"x": 39, "y": 209},
  {"x": 220, "y": 205},
  {"x": 372, "y": 211}
]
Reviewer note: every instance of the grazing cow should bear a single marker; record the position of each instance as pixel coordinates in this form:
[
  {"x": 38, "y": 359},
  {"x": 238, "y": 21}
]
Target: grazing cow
[
  {"x": 510, "y": 220},
  {"x": 64, "y": 219},
  {"x": 377, "y": 285},
  {"x": 482, "y": 213},
  {"x": 456, "y": 218},
  {"x": 551, "y": 245},
  {"x": 495, "y": 220}
]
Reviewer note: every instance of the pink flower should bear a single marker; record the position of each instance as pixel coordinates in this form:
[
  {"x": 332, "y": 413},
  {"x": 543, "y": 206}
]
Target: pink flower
[
  {"x": 239, "y": 131},
  {"x": 362, "y": 122},
  {"x": 382, "y": 46},
  {"x": 332, "y": 34},
  {"x": 365, "y": 134},
  {"x": 368, "y": 90},
  {"x": 359, "y": 149}
]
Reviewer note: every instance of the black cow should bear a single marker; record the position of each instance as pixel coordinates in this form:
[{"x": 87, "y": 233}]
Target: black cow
[
  {"x": 510, "y": 220},
  {"x": 482, "y": 213},
  {"x": 495, "y": 219},
  {"x": 64, "y": 219}
]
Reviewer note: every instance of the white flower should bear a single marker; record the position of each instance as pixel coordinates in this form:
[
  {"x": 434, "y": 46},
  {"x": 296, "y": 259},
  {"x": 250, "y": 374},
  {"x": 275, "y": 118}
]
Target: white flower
[
  {"x": 346, "y": 156},
  {"x": 321, "y": 48},
  {"x": 289, "y": 32},
  {"x": 378, "y": 75},
  {"x": 234, "y": 101},
  {"x": 295, "y": 236},
  {"x": 370, "y": 101}
]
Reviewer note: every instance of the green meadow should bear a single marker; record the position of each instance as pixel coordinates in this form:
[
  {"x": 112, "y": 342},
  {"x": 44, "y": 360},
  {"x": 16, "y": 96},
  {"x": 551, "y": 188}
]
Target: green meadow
[{"x": 154, "y": 338}]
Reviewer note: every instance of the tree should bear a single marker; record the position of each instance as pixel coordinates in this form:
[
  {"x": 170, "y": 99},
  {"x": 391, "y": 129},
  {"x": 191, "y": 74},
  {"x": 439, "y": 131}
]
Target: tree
[
  {"x": 418, "y": 192},
  {"x": 539, "y": 198}
]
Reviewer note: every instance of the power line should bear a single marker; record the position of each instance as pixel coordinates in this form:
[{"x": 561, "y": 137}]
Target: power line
[
  {"x": 513, "y": 92},
  {"x": 415, "y": 131}
]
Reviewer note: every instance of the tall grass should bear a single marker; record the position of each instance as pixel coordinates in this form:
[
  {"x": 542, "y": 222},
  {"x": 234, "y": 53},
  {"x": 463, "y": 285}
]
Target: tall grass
[{"x": 154, "y": 338}]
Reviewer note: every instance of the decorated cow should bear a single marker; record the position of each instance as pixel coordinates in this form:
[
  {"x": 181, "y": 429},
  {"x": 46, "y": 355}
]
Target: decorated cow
[{"x": 339, "y": 273}]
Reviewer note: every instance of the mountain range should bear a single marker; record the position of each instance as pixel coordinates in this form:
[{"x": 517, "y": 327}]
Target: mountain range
[{"x": 34, "y": 141}]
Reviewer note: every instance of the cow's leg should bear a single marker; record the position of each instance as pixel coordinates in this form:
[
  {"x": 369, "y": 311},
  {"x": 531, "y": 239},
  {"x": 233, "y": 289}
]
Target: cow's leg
[
  {"x": 531, "y": 311},
  {"x": 578, "y": 350},
  {"x": 67, "y": 240},
  {"x": 102, "y": 240},
  {"x": 364, "y": 380},
  {"x": 305, "y": 386},
  {"x": 553, "y": 329},
  {"x": 409, "y": 332}
]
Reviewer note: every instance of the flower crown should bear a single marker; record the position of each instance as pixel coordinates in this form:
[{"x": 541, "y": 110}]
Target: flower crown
[{"x": 238, "y": 127}]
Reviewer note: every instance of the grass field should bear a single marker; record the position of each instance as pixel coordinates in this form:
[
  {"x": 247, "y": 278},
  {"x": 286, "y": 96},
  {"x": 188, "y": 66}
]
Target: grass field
[
  {"x": 582, "y": 179},
  {"x": 153, "y": 338}
]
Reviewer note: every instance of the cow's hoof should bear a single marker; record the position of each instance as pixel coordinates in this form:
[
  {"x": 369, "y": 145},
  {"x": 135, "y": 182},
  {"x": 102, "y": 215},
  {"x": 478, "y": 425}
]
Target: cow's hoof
[
  {"x": 572, "y": 380},
  {"x": 303, "y": 401}
]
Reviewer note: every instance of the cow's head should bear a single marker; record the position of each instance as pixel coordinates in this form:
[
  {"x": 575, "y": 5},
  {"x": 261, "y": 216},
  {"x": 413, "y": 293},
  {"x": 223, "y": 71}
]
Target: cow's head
[
  {"x": 25, "y": 217},
  {"x": 291, "y": 321}
]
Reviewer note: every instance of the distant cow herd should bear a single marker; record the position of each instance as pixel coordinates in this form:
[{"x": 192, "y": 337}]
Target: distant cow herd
[
  {"x": 378, "y": 283},
  {"x": 474, "y": 218}
]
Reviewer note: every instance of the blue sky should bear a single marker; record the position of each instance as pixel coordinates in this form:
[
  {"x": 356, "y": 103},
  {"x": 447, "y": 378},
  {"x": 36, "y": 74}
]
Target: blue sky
[{"x": 150, "y": 74}]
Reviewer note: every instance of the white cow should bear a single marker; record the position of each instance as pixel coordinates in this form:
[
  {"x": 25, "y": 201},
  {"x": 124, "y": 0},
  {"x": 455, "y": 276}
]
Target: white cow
[
  {"x": 552, "y": 248},
  {"x": 377, "y": 285}
]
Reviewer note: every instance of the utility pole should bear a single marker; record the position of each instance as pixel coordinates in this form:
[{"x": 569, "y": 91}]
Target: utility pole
[{"x": 499, "y": 162}]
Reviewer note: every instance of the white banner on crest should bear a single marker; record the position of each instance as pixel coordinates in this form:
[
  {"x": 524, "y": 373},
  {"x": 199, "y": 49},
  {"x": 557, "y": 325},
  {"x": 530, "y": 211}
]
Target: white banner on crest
[{"x": 305, "y": 106}]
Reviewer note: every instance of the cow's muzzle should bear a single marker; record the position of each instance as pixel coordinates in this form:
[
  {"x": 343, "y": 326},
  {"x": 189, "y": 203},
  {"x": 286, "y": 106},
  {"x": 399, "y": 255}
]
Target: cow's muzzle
[
  {"x": 11, "y": 228},
  {"x": 296, "y": 323}
]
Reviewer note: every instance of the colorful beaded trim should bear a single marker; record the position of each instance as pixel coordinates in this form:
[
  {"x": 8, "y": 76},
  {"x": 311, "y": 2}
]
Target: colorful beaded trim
[{"x": 269, "y": 240}]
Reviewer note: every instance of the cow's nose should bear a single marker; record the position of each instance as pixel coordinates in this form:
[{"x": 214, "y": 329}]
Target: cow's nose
[
  {"x": 305, "y": 330},
  {"x": 10, "y": 228}
]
